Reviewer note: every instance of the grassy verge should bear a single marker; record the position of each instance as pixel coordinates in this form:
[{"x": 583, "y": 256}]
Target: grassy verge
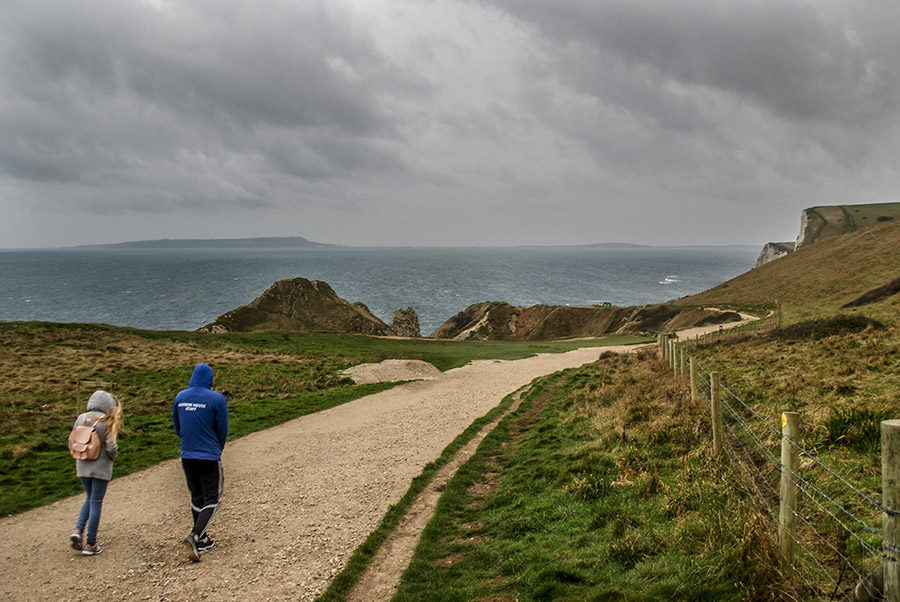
[
  {"x": 267, "y": 377},
  {"x": 841, "y": 375},
  {"x": 599, "y": 489},
  {"x": 343, "y": 583}
]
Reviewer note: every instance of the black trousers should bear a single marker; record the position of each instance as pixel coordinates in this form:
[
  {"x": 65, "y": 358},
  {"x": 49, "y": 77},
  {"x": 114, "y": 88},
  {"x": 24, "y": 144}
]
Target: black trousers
[{"x": 204, "y": 481}]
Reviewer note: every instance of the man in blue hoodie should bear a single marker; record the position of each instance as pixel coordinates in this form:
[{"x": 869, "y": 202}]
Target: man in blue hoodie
[{"x": 200, "y": 417}]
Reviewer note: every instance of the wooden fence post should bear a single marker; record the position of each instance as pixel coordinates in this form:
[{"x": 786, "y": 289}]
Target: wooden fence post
[
  {"x": 681, "y": 359},
  {"x": 693, "y": 380},
  {"x": 790, "y": 464},
  {"x": 674, "y": 362},
  {"x": 715, "y": 412},
  {"x": 890, "y": 499}
]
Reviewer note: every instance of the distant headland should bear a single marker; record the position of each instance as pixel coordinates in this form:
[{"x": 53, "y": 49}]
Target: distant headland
[{"x": 269, "y": 242}]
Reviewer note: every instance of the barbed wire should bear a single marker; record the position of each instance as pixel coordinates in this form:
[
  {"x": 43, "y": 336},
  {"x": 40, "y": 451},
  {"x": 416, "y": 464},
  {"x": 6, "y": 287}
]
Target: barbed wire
[
  {"x": 804, "y": 482},
  {"x": 823, "y": 570},
  {"x": 827, "y": 543},
  {"x": 873, "y": 502},
  {"x": 775, "y": 430},
  {"x": 756, "y": 483},
  {"x": 750, "y": 452}
]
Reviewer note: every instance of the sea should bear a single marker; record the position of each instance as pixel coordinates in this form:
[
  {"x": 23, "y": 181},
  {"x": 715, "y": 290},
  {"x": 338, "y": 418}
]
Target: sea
[{"x": 184, "y": 289}]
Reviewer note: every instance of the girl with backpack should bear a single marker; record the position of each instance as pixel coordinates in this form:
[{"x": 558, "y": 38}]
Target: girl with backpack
[{"x": 105, "y": 413}]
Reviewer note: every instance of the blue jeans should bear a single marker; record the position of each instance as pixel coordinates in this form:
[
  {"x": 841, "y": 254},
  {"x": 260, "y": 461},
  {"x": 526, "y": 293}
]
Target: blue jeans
[{"x": 90, "y": 510}]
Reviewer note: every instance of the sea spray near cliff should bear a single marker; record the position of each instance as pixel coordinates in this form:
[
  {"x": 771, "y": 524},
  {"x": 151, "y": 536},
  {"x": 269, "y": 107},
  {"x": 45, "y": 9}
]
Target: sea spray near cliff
[{"x": 184, "y": 289}]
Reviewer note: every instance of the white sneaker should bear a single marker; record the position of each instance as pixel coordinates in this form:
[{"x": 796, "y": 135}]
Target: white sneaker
[{"x": 91, "y": 550}]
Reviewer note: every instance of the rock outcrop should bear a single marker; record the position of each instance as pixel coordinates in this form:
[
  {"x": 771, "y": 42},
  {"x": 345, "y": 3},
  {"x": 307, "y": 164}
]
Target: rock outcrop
[
  {"x": 298, "y": 304},
  {"x": 302, "y": 305},
  {"x": 772, "y": 251},
  {"x": 499, "y": 321},
  {"x": 405, "y": 323}
]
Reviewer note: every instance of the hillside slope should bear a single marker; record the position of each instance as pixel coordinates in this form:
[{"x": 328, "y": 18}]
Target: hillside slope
[
  {"x": 500, "y": 321},
  {"x": 820, "y": 279},
  {"x": 820, "y": 223}
]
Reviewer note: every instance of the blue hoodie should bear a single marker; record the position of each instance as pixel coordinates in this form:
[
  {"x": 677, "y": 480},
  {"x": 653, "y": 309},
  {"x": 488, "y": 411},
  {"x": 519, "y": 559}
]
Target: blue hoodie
[{"x": 200, "y": 417}]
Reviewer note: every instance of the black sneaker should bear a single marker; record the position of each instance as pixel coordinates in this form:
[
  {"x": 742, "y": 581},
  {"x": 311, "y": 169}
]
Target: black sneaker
[
  {"x": 193, "y": 550},
  {"x": 205, "y": 543}
]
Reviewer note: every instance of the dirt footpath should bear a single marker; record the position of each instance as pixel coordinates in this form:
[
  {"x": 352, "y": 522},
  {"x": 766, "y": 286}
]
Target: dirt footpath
[{"x": 299, "y": 498}]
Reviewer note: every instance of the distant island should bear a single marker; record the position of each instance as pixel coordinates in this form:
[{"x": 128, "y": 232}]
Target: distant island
[
  {"x": 298, "y": 242},
  {"x": 617, "y": 245},
  {"x": 270, "y": 242}
]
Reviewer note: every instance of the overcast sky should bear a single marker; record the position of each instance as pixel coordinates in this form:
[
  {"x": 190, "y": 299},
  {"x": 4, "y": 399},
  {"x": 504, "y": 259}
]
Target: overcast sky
[{"x": 444, "y": 122}]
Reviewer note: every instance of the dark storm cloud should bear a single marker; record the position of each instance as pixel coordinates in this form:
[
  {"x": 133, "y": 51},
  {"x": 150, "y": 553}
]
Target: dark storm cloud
[
  {"x": 196, "y": 99},
  {"x": 725, "y": 99},
  {"x": 818, "y": 60},
  {"x": 443, "y": 121}
]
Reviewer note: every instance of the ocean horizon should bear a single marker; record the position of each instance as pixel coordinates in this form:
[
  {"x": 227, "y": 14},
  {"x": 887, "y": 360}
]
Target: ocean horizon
[{"x": 184, "y": 289}]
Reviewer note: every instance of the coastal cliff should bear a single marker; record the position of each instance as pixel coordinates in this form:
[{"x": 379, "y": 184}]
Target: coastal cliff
[
  {"x": 828, "y": 221},
  {"x": 772, "y": 251}
]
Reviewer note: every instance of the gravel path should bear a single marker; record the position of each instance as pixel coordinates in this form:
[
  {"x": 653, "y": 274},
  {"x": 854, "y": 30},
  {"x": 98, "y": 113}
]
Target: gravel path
[{"x": 299, "y": 498}]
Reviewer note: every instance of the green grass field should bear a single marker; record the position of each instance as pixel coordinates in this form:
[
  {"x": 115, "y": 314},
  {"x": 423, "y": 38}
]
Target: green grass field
[{"x": 268, "y": 378}]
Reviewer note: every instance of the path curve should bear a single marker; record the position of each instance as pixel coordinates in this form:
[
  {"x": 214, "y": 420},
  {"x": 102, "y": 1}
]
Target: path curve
[{"x": 299, "y": 498}]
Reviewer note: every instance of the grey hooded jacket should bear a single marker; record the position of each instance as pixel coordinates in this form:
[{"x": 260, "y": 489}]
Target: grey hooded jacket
[{"x": 98, "y": 405}]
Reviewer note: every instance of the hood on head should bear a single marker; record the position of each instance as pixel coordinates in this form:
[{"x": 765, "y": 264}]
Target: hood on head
[
  {"x": 202, "y": 377},
  {"x": 102, "y": 402}
]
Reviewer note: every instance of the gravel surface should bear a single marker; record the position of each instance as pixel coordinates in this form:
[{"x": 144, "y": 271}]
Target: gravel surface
[
  {"x": 299, "y": 498},
  {"x": 393, "y": 370},
  {"x": 382, "y": 577}
]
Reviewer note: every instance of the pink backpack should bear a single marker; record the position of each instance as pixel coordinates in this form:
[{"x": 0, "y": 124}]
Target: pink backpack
[{"x": 84, "y": 444}]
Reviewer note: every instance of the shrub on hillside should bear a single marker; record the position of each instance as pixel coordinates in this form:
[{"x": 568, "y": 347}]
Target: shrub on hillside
[
  {"x": 877, "y": 294},
  {"x": 826, "y": 327}
]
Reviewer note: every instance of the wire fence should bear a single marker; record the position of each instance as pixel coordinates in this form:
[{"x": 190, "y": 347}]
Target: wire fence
[
  {"x": 754, "y": 326},
  {"x": 837, "y": 538}
]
